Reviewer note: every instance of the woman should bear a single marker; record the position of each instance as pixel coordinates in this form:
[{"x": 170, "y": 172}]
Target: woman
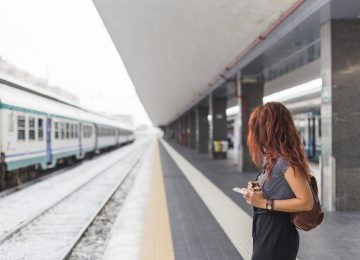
[{"x": 275, "y": 144}]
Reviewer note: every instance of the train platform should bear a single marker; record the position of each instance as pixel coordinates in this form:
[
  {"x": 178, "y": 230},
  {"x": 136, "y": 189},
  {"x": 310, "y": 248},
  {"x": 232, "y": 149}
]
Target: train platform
[{"x": 183, "y": 207}]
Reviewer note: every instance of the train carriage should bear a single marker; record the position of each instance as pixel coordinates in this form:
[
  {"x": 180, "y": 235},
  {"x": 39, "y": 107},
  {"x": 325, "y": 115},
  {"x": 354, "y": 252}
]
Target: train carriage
[{"x": 39, "y": 131}]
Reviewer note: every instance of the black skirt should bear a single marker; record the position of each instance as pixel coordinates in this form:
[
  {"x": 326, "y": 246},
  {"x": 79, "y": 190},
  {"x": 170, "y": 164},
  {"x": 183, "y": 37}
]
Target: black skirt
[{"x": 275, "y": 237}]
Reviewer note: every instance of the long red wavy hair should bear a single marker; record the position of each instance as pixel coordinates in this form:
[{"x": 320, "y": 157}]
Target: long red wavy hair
[{"x": 272, "y": 134}]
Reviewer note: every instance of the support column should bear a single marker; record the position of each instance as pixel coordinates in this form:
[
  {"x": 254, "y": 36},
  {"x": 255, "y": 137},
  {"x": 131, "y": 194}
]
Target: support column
[
  {"x": 250, "y": 95},
  {"x": 340, "y": 114},
  {"x": 171, "y": 131},
  {"x": 182, "y": 130},
  {"x": 165, "y": 130},
  {"x": 186, "y": 129},
  {"x": 173, "y": 127},
  {"x": 178, "y": 130},
  {"x": 217, "y": 124},
  {"x": 192, "y": 129},
  {"x": 202, "y": 129}
]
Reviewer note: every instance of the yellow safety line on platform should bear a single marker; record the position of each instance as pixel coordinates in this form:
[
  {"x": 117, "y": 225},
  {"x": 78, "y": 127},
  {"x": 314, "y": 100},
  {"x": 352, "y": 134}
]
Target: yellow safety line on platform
[{"x": 157, "y": 241}]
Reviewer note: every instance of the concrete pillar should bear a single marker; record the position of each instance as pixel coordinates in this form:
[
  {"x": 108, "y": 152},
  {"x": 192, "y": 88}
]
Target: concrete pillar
[
  {"x": 182, "y": 130},
  {"x": 165, "y": 130},
  {"x": 186, "y": 129},
  {"x": 217, "y": 124},
  {"x": 250, "y": 92},
  {"x": 173, "y": 128},
  {"x": 171, "y": 131},
  {"x": 202, "y": 129},
  {"x": 178, "y": 129},
  {"x": 340, "y": 114},
  {"x": 192, "y": 129}
]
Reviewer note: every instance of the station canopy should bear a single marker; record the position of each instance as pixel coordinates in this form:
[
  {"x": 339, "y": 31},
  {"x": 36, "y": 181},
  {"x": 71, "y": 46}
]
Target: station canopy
[{"x": 173, "y": 49}]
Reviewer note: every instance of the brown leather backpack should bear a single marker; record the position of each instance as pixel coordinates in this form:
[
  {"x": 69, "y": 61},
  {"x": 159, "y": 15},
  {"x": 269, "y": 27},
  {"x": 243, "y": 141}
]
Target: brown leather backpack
[{"x": 307, "y": 220}]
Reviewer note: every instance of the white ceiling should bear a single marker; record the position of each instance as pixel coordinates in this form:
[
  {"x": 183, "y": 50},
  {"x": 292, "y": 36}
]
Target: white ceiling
[{"x": 172, "y": 49}]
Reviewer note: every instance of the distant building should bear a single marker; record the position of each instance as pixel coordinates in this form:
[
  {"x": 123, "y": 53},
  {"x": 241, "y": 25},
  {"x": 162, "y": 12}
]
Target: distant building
[{"x": 10, "y": 71}]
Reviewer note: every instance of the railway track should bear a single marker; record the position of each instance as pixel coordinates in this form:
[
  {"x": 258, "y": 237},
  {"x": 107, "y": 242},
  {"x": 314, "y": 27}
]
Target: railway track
[
  {"x": 53, "y": 230},
  {"x": 26, "y": 184}
]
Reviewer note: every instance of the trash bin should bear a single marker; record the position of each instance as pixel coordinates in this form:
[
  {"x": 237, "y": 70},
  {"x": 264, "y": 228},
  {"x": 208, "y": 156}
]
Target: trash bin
[
  {"x": 217, "y": 146},
  {"x": 220, "y": 148}
]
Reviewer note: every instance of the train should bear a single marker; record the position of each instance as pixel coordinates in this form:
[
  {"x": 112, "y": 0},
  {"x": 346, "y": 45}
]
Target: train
[
  {"x": 40, "y": 131},
  {"x": 309, "y": 126},
  {"x": 307, "y": 120}
]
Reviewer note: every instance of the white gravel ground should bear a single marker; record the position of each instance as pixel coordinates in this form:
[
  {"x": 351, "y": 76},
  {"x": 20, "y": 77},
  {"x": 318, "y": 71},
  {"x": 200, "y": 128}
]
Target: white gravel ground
[
  {"x": 96, "y": 238},
  {"x": 126, "y": 233}
]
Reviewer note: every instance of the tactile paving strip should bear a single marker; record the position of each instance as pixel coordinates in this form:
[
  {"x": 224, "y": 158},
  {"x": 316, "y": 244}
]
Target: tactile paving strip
[{"x": 157, "y": 241}]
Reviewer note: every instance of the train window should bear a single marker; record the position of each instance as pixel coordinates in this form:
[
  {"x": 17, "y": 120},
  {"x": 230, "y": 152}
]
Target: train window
[
  {"x": 56, "y": 130},
  {"x": 21, "y": 127},
  {"x": 62, "y": 126},
  {"x": 11, "y": 122},
  {"x": 40, "y": 129},
  {"x": 31, "y": 128},
  {"x": 67, "y": 131},
  {"x": 75, "y": 131},
  {"x": 72, "y": 128}
]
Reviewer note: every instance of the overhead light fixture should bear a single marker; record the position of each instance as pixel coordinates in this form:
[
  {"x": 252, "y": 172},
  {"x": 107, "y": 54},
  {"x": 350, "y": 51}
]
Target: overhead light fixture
[
  {"x": 232, "y": 111},
  {"x": 310, "y": 87}
]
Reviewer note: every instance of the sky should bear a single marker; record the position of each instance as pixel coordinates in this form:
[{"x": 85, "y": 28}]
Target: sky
[{"x": 67, "y": 43}]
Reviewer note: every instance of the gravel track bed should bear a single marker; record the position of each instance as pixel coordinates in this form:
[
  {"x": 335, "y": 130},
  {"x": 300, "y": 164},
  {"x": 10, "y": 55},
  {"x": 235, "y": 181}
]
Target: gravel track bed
[
  {"x": 53, "y": 233},
  {"x": 22, "y": 206},
  {"x": 93, "y": 243}
]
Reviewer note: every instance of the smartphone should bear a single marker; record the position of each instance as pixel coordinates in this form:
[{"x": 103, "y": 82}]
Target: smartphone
[{"x": 240, "y": 190}]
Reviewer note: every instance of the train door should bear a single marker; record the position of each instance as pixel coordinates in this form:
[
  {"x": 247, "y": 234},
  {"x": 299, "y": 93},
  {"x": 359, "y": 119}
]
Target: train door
[
  {"x": 96, "y": 133},
  {"x": 80, "y": 138},
  {"x": 311, "y": 140},
  {"x": 48, "y": 141}
]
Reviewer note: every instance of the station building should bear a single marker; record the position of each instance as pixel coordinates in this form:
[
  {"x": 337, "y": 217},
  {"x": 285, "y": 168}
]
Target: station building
[{"x": 201, "y": 67}]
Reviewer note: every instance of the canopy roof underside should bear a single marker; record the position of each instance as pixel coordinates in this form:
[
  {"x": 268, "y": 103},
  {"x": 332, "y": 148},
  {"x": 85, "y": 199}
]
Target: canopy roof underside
[{"x": 173, "y": 49}]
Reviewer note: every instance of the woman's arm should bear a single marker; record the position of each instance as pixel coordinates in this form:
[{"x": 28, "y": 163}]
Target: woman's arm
[{"x": 300, "y": 187}]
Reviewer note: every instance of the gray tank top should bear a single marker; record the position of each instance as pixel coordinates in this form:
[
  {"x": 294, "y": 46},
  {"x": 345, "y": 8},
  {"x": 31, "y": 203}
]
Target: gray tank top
[{"x": 276, "y": 187}]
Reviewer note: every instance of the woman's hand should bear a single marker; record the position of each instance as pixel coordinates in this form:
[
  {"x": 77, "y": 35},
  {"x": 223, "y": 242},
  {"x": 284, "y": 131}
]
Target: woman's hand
[
  {"x": 252, "y": 187},
  {"x": 255, "y": 198}
]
